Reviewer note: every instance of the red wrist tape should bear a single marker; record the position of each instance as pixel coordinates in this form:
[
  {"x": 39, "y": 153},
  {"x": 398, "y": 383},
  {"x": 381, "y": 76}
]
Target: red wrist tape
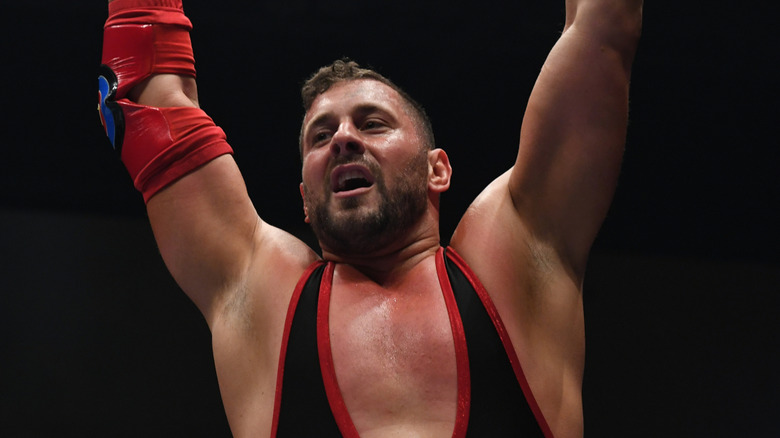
[
  {"x": 144, "y": 37},
  {"x": 147, "y": 12},
  {"x": 162, "y": 145},
  {"x": 157, "y": 145}
]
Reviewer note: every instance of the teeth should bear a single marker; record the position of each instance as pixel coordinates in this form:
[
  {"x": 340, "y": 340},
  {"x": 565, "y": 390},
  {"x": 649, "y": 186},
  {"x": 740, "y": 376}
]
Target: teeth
[{"x": 352, "y": 174}]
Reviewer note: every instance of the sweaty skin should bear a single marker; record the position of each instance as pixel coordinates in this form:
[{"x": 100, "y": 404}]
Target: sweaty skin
[{"x": 526, "y": 236}]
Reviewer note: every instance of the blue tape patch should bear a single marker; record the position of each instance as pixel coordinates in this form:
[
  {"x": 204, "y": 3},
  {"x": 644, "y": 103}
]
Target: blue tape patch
[{"x": 111, "y": 115}]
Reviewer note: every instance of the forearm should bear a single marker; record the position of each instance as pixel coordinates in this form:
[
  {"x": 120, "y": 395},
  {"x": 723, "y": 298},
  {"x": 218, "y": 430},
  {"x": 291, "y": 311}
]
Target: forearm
[
  {"x": 160, "y": 89},
  {"x": 148, "y": 94},
  {"x": 574, "y": 128},
  {"x": 165, "y": 91},
  {"x": 615, "y": 24}
]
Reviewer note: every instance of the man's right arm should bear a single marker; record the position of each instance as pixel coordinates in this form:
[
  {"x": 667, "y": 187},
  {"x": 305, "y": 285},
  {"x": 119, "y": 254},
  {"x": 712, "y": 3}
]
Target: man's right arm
[{"x": 206, "y": 227}]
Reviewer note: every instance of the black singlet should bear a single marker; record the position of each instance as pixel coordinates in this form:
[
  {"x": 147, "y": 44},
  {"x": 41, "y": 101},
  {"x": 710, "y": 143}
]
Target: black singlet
[{"x": 494, "y": 399}]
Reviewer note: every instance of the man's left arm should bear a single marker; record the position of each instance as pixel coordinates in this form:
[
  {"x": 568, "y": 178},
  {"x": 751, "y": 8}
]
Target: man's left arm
[
  {"x": 574, "y": 129},
  {"x": 528, "y": 234}
]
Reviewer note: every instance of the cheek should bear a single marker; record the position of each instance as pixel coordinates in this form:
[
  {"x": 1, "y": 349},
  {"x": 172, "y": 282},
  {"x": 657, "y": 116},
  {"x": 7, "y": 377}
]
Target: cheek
[
  {"x": 311, "y": 170},
  {"x": 394, "y": 151}
]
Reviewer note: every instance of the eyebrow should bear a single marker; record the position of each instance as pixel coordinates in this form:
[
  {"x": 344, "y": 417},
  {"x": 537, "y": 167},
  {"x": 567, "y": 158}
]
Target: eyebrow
[
  {"x": 368, "y": 108},
  {"x": 361, "y": 110},
  {"x": 322, "y": 119}
]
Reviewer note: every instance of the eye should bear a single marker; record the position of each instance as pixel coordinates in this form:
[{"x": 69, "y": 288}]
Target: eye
[
  {"x": 372, "y": 125},
  {"x": 319, "y": 137}
]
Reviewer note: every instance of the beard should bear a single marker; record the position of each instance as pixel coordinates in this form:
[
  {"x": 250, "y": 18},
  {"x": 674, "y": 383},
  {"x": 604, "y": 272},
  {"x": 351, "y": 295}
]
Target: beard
[{"x": 359, "y": 229}]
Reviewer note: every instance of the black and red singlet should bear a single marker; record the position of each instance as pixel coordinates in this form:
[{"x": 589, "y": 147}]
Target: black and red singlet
[{"x": 494, "y": 399}]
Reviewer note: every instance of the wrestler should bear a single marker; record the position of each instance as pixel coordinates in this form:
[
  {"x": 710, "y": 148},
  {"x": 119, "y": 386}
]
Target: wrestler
[{"x": 386, "y": 333}]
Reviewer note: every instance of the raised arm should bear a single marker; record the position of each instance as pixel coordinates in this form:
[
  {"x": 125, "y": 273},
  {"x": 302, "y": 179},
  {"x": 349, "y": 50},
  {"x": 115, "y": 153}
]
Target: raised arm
[
  {"x": 206, "y": 227},
  {"x": 528, "y": 234},
  {"x": 574, "y": 128},
  {"x": 551, "y": 203}
]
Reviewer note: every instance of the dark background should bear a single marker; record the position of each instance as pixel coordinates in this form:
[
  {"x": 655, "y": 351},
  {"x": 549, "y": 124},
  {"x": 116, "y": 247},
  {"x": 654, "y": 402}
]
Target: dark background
[{"x": 681, "y": 294}]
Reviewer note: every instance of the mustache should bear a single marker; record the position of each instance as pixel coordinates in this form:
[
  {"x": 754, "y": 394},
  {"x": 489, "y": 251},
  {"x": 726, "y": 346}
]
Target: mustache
[
  {"x": 360, "y": 160},
  {"x": 350, "y": 159}
]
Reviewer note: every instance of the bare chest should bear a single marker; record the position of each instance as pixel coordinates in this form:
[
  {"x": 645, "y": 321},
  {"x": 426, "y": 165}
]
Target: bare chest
[{"x": 394, "y": 355}]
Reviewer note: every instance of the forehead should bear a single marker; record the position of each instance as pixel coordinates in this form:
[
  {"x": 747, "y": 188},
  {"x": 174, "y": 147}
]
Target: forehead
[{"x": 347, "y": 95}]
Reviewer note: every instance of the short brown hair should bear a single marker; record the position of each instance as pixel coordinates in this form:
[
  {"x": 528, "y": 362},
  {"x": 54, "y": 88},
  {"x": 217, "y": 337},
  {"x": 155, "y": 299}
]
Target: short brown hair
[{"x": 344, "y": 70}]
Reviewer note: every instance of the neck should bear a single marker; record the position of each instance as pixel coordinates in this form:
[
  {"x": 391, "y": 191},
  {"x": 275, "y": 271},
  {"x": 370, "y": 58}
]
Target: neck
[{"x": 389, "y": 264}]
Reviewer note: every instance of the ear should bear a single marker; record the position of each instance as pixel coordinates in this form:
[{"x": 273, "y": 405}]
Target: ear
[
  {"x": 439, "y": 171},
  {"x": 305, "y": 209}
]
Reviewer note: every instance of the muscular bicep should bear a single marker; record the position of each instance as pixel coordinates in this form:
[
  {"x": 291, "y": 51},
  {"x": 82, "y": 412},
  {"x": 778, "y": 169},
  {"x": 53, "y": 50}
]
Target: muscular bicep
[
  {"x": 204, "y": 225},
  {"x": 571, "y": 143},
  {"x": 215, "y": 244},
  {"x": 209, "y": 233}
]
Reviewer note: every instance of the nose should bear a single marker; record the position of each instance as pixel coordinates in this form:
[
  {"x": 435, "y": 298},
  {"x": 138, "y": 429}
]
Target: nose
[{"x": 346, "y": 141}]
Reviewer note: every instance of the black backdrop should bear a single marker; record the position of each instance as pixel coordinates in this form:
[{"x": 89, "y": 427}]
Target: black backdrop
[{"x": 683, "y": 281}]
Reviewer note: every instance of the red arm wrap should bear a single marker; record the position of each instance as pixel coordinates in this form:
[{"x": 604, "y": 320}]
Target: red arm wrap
[
  {"x": 157, "y": 145},
  {"x": 147, "y": 12},
  {"x": 142, "y": 37},
  {"x": 164, "y": 144}
]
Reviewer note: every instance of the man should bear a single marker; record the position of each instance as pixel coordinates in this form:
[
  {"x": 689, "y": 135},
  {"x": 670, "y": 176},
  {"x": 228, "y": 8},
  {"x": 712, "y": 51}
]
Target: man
[{"x": 390, "y": 335}]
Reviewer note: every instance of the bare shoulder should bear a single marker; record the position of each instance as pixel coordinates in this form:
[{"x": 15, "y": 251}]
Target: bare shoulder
[
  {"x": 259, "y": 303},
  {"x": 537, "y": 296},
  {"x": 247, "y": 333},
  {"x": 532, "y": 286},
  {"x": 500, "y": 247}
]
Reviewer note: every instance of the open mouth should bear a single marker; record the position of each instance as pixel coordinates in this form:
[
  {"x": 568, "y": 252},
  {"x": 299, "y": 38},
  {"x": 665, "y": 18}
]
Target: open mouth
[{"x": 351, "y": 177}]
